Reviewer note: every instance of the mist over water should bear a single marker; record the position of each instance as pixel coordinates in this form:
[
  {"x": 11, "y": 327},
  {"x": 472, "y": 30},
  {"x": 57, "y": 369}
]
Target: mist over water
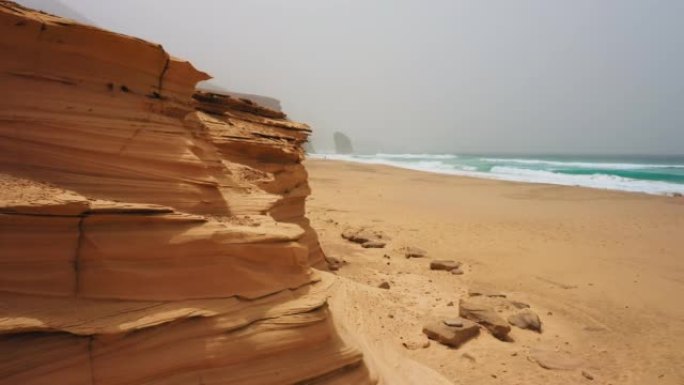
[{"x": 662, "y": 175}]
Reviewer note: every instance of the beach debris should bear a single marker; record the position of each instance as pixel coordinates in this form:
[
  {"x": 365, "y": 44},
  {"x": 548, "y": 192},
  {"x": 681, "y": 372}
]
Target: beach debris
[
  {"x": 415, "y": 344},
  {"x": 452, "y": 331},
  {"x": 476, "y": 292},
  {"x": 587, "y": 375},
  {"x": 384, "y": 285},
  {"x": 447, "y": 265},
  {"x": 457, "y": 271},
  {"x": 414, "y": 252},
  {"x": 485, "y": 316},
  {"x": 554, "y": 360},
  {"x": 526, "y": 319},
  {"x": 366, "y": 237}
]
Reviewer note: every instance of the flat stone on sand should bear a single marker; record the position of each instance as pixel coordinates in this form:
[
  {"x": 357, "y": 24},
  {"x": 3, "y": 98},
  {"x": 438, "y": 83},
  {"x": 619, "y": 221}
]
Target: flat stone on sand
[
  {"x": 447, "y": 265},
  {"x": 414, "y": 252},
  {"x": 373, "y": 245},
  {"x": 452, "y": 331},
  {"x": 485, "y": 316},
  {"x": 366, "y": 237}
]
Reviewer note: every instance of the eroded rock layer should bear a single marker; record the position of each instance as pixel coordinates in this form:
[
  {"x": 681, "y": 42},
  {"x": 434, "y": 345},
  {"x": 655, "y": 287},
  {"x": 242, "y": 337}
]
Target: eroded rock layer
[{"x": 150, "y": 233}]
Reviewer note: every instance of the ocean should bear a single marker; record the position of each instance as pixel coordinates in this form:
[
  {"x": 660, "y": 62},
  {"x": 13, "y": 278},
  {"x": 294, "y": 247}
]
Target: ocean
[{"x": 661, "y": 175}]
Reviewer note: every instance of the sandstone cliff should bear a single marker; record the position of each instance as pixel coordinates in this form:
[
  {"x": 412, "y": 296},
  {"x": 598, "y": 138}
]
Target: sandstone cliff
[{"x": 150, "y": 233}]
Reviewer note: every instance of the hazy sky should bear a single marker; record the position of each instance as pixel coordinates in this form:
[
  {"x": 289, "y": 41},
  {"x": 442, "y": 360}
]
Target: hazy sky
[{"x": 577, "y": 76}]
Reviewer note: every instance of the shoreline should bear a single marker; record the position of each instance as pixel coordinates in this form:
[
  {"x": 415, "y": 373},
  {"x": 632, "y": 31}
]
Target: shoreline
[
  {"x": 595, "y": 265},
  {"x": 484, "y": 177}
]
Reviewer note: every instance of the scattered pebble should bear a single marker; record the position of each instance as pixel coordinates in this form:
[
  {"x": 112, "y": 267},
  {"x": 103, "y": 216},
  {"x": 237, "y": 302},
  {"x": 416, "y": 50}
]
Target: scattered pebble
[
  {"x": 485, "y": 293},
  {"x": 416, "y": 344},
  {"x": 334, "y": 263},
  {"x": 373, "y": 245},
  {"x": 519, "y": 304},
  {"x": 414, "y": 252},
  {"x": 468, "y": 356},
  {"x": 526, "y": 319},
  {"x": 447, "y": 265}
]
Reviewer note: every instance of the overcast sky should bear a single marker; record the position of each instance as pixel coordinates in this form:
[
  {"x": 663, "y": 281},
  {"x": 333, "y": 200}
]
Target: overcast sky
[{"x": 526, "y": 76}]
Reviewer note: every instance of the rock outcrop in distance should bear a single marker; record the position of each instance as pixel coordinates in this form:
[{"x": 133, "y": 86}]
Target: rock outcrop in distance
[
  {"x": 150, "y": 233},
  {"x": 343, "y": 145}
]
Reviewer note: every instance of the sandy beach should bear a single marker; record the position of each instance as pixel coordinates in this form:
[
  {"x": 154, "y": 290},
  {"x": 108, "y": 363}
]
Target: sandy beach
[{"x": 604, "y": 271}]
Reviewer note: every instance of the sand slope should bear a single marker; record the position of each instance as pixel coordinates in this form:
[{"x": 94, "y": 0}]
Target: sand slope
[{"x": 604, "y": 270}]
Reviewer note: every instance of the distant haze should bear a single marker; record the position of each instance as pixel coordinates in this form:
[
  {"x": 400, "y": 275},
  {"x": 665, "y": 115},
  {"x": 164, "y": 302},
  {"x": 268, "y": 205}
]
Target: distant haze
[{"x": 535, "y": 76}]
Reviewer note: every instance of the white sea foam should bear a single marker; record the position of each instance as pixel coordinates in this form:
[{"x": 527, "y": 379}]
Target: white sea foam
[
  {"x": 600, "y": 181},
  {"x": 415, "y": 156},
  {"x": 518, "y": 174},
  {"x": 589, "y": 165}
]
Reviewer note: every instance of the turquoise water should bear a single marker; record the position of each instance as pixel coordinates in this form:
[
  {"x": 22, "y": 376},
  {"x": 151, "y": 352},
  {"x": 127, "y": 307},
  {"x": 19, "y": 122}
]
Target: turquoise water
[{"x": 648, "y": 174}]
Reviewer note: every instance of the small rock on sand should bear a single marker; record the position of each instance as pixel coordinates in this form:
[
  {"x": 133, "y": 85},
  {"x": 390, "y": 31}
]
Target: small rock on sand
[
  {"x": 554, "y": 360},
  {"x": 414, "y": 252},
  {"x": 526, "y": 319},
  {"x": 373, "y": 245},
  {"x": 469, "y": 357},
  {"x": 334, "y": 263},
  {"x": 416, "y": 344},
  {"x": 519, "y": 304},
  {"x": 365, "y": 236},
  {"x": 451, "y": 331},
  {"x": 384, "y": 285},
  {"x": 457, "y": 271},
  {"x": 447, "y": 265},
  {"x": 485, "y": 293},
  {"x": 485, "y": 316},
  {"x": 587, "y": 375}
]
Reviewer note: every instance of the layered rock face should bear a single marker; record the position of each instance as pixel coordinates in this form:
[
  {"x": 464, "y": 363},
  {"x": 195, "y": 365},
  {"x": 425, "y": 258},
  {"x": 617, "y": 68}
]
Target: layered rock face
[{"x": 150, "y": 233}]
